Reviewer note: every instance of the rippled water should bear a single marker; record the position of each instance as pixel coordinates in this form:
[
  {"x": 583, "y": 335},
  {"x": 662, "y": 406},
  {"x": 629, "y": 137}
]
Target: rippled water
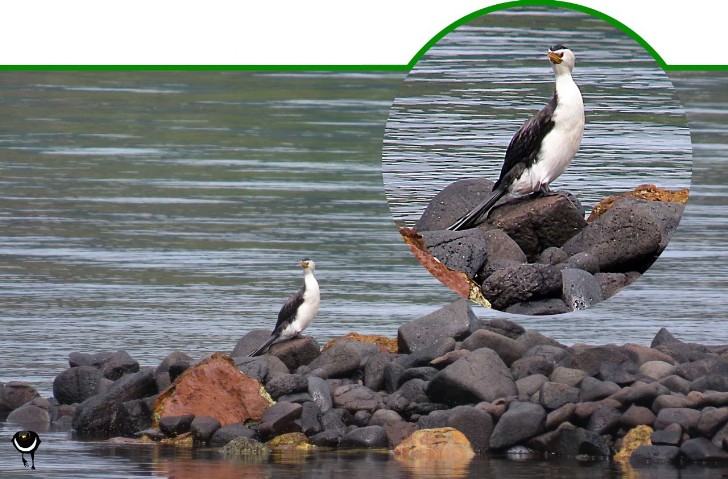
[{"x": 153, "y": 211}]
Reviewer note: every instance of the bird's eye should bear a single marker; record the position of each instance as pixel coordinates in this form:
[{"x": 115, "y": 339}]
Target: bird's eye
[{"x": 561, "y": 54}]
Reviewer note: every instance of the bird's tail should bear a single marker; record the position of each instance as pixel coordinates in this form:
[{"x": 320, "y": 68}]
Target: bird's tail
[
  {"x": 264, "y": 346},
  {"x": 471, "y": 218}
]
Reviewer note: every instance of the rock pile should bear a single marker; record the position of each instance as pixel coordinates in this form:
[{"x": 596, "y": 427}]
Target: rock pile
[
  {"x": 504, "y": 388},
  {"x": 540, "y": 256}
]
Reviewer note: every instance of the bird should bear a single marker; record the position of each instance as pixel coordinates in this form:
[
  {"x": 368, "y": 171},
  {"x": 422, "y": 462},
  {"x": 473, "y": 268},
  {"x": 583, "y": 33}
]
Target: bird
[
  {"x": 299, "y": 311},
  {"x": 544, "y": 145},
  {"x": 27, "y": 442}
]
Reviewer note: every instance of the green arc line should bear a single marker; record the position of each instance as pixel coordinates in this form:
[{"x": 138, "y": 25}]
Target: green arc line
[{"x": 390, "y": 67}]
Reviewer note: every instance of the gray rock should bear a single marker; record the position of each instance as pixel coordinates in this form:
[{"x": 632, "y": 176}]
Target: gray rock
[
  {"x": 384, "y": 417},
  {"x": 76, "y": 384},
  {"x": 250, "y": 342},
  {"x": 227, "y": 433},
  {"x": 580, "y": 289},
  {"x": 552, "y": 255},
  {"x": 34, "y": 414},
  {"x": 604, "y": 420},
  {"x": 585, "y": 262},
  {"x": 612, "y": 283},
  {"x": 625, "y": 238},
  {"x": 339, "y": 360},
  {"x": 175, "y": 363},
  {"x": 399, "y": 431},
  {"x": 368, "y": 437},
  {"x": 671, "y": 401},
  {"x": 480, "y": 376},
  {"x": 531, "y": 365},
  {"x": 136, "y": 415},
  {"x": 531, "y": 339},
  {"x": 451, "y": 321},
  {"x": 526, "y": 282},
  {"x": 336, "y": 420},
  {"x": 14, "y": 394},
  {"x": 114, "y": 364},
  {"x": 476, "y": 424},
  {"x": 578, "y": 441},
  {"x": 522, "y": 421},
  {"x": 392, "y": 372},
  {"x": 355, "y": 397},
  {"x": 296, "y": 352},
  {"x": 361, "y": 418},
  {"x": 592, "y": 389},
  {"x": 423, "y": 356},
  {"x": 256, "y": 368},
  {"x": 637, "y": 416},
  {"x": 670, "y": 436},
  {"x": 654, "y": 454},
  {"x": 172, "y": 426},
  {"x": 310, "y": 422},
  {"x": 425, "y": 373},
  {"x": 711, "y": 419},
  {"x": 568, "y": 376},
  {"x": 374, "y": 370},
  {"x": 100, "y": 413},
  {"x": 501, "y": 326},
  {"x": 703, "y": 367},
  {"x": 554, "y": 395},
  {"x": 286, "y": 384},
  {"x": 687, "y": 418},
  {"x": 657, "y": 369},
  {"x": 414, "y": 390},
  {"x": 279, "y": 419},
  {"x": 591, "y": 359},
  {"x": 203, "y": 428},
  {"x": 711, "y": 382},
  {"x": 326, "y": 438},
  {"x": 559, "y": 416},
  {"x": 529, "y": 385},
  {"x": 701, "y": 449},
  {"x": 508, "y": 349},
  {"x": 542, "y": 307},
  {"x": 452, "y": 202},
  {"x": 465, "y": 251},
  {"x": 320, "y": 393}
]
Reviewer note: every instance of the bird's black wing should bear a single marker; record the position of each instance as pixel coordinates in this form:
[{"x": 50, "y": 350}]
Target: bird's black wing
[
  {"x": 526, "y": 143},
  {"x": 288, "y": 311}
]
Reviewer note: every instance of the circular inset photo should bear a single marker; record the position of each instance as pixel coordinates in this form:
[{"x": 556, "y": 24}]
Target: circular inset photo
[{"x": 537, "y": 159}]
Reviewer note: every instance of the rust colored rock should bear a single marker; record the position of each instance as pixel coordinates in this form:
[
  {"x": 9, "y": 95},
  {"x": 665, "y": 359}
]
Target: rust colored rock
[
  {"x": 645, "y": 192},
  {"x": 215, "y": 388},
  {"x": 635, "y": 438},
  {"x": 445, "y": 443},
  {"x": 383, "y": 342}
]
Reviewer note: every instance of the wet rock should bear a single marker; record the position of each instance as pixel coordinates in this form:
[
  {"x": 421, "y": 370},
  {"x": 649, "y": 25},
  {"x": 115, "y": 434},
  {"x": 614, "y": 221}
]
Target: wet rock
[
  {"x": 592, "y": 389},
  {"x": 685, "y": 417},
  {"x": 279, "y": 419},
  {"x": 320, "y": 393},
  {"x": 554, "y": 395},
  {"x": 452, "y": 202},
  {"x": 368, "y": 437},
  {"x": 701, "y": 449},
  {"x": 202, "y": 428},
  {"x": 340, "y": 360},
  {"x": 246, "y": 448},
  {"x": 625, "y": 238},
  {"x": 670, "y": 436},
  {"x": 508, "y": 349},
  {"x": 214, "y": 387},
  {"x": 637, "y": 416},
  {"x": 14, "y": 394},
  {"x": 654, "y": 454},
  {"x": 580, "y": 289},
  {"x": 173, "y": 426},
  {"x": 451, "y": 321},
  {"x": 536, "y": 224},
  {"x": 480, "y": 376},
  {"x": 521, "y": 421},
  {"x": 578, "y": 441},
  {"x": 552, "y": 255},
  {"x": 76, "y": 384},
  {"x": 175, "y": 363},
  {"x": 526, "y": 282},
  {"x": 136, "y": 415},
  {"x": 296, "y": 352},
  {"x": 33, "y": 414},
  {"x": 327, "y": 438},
  {"x": 398, "y": 432},
  {"x": 286, "y": 384},
  {"x": 225, "y": 434},
  {"x": 442, "y": 443},
  {"x": 354, "y": 397},
  {"x": 100, "y": 413}
]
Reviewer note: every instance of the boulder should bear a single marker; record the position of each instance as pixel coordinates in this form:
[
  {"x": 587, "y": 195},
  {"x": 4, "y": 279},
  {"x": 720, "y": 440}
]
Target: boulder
[
  {"x": 175, "y": 363},
  {"x": 711, "y": 382},
  {"x": 34, "y": 414},
  {"x": 76, "y": 384},
  {"x": 398, "y": 431},
  {"x": 568, "y": 376},
  {"x": 340, "y": 360},
  {"x": 541, "y": 307},
  {"x": 326, "y": 438},
  {"x": 374, "y": 370},
  {"x": 592, "y": 389},
  {"x": 452, "y": 202},
  {"x": 670, "y": 436},
  {"x": 476, "y": 424},
  {"x": 508, "y": 349},
  {"x": 442, "y": 443},
  {"x": 578, "y": 441},
  {"x": 604, "y": 420},
  {"x": 286, "y": 384},
  {"x": 479, "y": 376},
  {"x": 700, "y": 449},
  {"x": 250, "y": 342},
  {"x": 580, "y": 290},
  {"x": 465, "y": 251},
  {"x": 687, "y": 418},
  {"x": 203, "y": 428},
  {"x": 14, "y": 394},
  {"x": 451, "y": 321},
  {"x": 711, "y": 419},
  {"x": 612, "y": 283},
  {"x": 368, "y": 437},
  {"x": 214, "y": 387},
  {"x": 320, "y": 393},
  {"x": 554, "y": 395},
  {"x": 553, "y": 256},
  {"x": 532, "y": 365},
  {"x": 637, "y": 416},
  {"x": 336, "y": 420},
  {"x": 525, "y": 282},
  {"x": 296, "y": 352},
  {"x": 522, "y": 420},
  {"x": 136, "y": 415},
  {"x": 657, "y": 369},
  {"x": 114, "y": 364},
  {"x": 559, "y": 416},
  {"x": 279, "y": 419},
  {"x": 584, "y": 261},
  {"x": 529, "y": 385},
  {"x": 647, "y": 454},
  {"x": 424, "y": 355},
  {"x": 172, "y": 426},
  {"x": 355, "y": 397},
  {"x": 225, "y": 434},
  {"x": 592, "y": 359}
]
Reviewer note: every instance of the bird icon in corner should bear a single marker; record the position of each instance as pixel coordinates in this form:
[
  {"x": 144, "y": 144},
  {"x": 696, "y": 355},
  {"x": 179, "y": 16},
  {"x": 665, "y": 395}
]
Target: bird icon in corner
[{"x": 27, "y": 442}]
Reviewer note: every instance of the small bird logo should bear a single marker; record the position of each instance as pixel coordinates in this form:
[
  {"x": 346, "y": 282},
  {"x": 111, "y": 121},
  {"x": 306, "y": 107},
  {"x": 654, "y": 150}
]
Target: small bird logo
[{"x": 27, "y": 442}]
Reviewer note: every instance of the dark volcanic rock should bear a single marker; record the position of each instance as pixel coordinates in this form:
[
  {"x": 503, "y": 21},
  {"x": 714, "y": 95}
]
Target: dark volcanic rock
[
  {"x": 670, "y": 436},
  {"x": 480, "y": 376},
  {"x": 354, "y": 397},
  {"x": 508, "y": 349},
  {"x": 296, "y": 352},
  {"x": 465, "y": 251},
  {"x": 425, "y": 373},
  {"x": 77, "y": 384},
  {"x": 250, "y": 342},
  {"x": 554, "y": 395},
  {"x": 227, "y": 433},
  {"x": 711, "y": 419},
  {"x": 501, "y": 326},
  {"x": 423, "y": 356},
  {"x": 687, "y": 418},
  {"x": 136, "y": 415},
  {"x": 591, "y": 359},
  {"x": 341, "y": 359},
  {"x": 703, "y": 367},
  {"x": 114, "y": 365},
  {"x": 14, "y": 394},
  {"x": 33, "y": 414},
  {"x": 279, "y": 419},
  {"x": 452, "y": 202},
  {"x": 286, "y": 384},
  {"x": 701, "y": 449},
  {"x": 398, "y": 432},
  {"x": 712, "y": 382},
  {"x": 175, "y": 363},
  {"x": 552, "y": 255},
  {"x": 592, "y": 389},
  {"x": 374, "y": 370},
  {"x": 604, "y": 420},
  {"x": 451, "y": 321},
  {"x": 327, "y": 438},
  {"x": 173, "y": 426},
  {"x": 476, "y": 424},
  {"x": 625, "y": 238},
  {"x": 578, "y": 441},
  {"x": 320, "y": 393},
  {"x": 310, "y": 419},
  {"x": 612, "y": 283},
  {"x": 542, "y": 307},
  {"x": 203, "y": 428},
  {"x": 531, "y": 365},
  {"x": 529, "y": 385},
  {"x": 365, "y": 437},
  {"x": 522, "y": 421},
  {"x": 336, "y": 420},
  {"x": 585, "y": 262},
  {"x": 526, "y": 282},
  {"x": 657, "y": 454},
  {"x": 636, "y": 416},
  {"x": 100, "y": 413},
  {"x": 580, "y": 289}
]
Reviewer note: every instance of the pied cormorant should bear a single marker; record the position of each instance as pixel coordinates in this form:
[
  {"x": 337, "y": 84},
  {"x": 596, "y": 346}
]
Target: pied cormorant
[
  {"x": 543, "y": 147},
  {"x": 300, "y": 309}
]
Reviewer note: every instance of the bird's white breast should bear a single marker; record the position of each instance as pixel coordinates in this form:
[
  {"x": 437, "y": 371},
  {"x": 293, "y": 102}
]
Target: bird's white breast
[{"x": 308, "y": 309}]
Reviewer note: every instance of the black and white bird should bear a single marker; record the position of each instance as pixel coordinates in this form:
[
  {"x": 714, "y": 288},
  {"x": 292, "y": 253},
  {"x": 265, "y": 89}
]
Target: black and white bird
[
  {"x": 543, "y": 147},
  {"x": 26, "y": 442},
  {"x": 299, "y": 311}
]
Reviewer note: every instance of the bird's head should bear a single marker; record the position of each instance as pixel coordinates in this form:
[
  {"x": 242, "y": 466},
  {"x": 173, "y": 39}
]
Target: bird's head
[
  {"x": 561, "y": 58},
  {"x": 308, "y": 265}
]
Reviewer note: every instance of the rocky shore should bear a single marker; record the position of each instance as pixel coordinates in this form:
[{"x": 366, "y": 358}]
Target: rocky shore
[
  {"x": 541, "y": 256},
  {"x": 450, "y": 385}
]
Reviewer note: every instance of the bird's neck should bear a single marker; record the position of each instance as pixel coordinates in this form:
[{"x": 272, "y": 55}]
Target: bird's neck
[
  {"x": 310, "y": 281},
  {"x": 566, "y": 90}
]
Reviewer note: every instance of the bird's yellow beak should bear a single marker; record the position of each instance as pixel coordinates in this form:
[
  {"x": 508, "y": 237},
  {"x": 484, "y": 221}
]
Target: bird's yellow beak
[
  {"x": 554, "y": 58},
  {"x": 304, "y": 264}
]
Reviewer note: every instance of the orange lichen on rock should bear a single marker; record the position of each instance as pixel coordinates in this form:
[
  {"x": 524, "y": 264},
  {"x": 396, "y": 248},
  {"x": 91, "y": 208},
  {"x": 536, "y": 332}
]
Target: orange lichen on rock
[
  {"x": 635, "y": 438},
  {"x": 216, "y": 388},
  {"x": 440, "y": 443},
  {"x": 644, "y": 192},
  {"x": 384, "y": 343}
]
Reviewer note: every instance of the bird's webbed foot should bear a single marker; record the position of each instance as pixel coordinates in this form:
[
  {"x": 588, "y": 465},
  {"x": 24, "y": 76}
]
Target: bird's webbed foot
[{"x": 25, "y": 462}]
